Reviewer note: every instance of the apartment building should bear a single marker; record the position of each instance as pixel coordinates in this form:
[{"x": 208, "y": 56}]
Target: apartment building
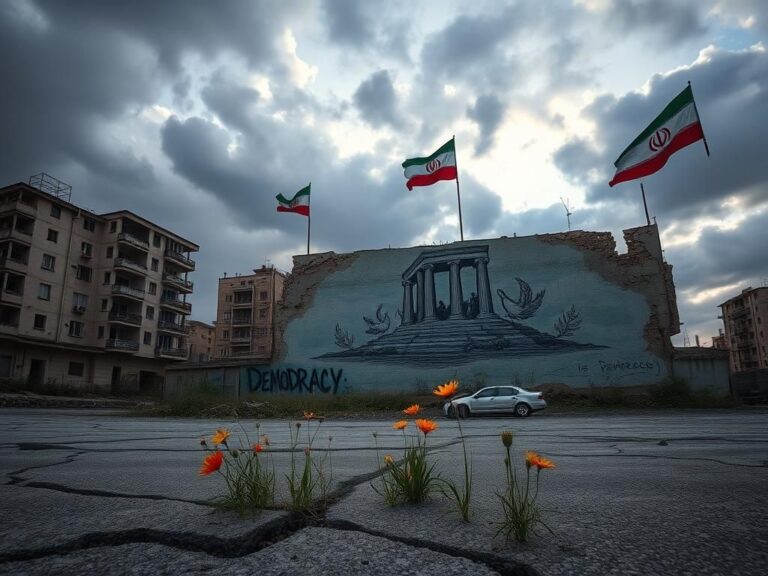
[
  {"x": 201, "y": 341},
  {"x": 245, "y": 314},
  {"x": 745, "y": 318},
  {"x": 85, "y": 298}
]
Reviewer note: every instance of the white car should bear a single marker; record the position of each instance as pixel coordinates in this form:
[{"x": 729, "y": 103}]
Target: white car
[{"x": 496, "y": 400}]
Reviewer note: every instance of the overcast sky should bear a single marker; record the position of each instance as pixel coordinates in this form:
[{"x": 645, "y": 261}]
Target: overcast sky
[{"x": 195, "y": 114}]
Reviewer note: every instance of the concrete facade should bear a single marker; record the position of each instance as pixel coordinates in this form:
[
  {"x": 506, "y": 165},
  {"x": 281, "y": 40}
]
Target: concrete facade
[
  {"x": 201, "y": 341},
  {"x": 245, "y": 314},
  {"x": 88, "y": 299},
  {"x": 563, "y": 308},
  {"x": 745, "y": 318}
]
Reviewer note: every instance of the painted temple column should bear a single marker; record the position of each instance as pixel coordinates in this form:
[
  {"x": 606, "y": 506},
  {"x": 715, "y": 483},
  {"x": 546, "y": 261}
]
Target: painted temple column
[
  {"x": 429, "y": 292},
  {"x": 485, "y": 298},
  {"x": 407, "y": 302},
  {"x": 457, "y": 299},
  {"x": 419, "y": 295}
]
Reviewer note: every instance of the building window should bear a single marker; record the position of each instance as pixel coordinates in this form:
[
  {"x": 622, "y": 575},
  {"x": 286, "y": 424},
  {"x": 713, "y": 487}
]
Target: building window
[
  {"x": 226, "y": 316},
  {"x": 225, "y": 336},
  {"x": 107, "y": 277},
  {"x": 155, "y": 239},
  {"x": 101, "y": 332},
  {"x": 263, "y": 313},
  {"x": 79, "y": 302},
  {"x": 104, "y": 303},
  {"x": 152, "y": 288},
  {"x": 76, "y": 368},
  {"x": 49, "y": 262},
  {"x": 263, "y": 295},
  {"x": 110, "y": 251},
  {"x": 39, "y": 322},
  {"x": 44, "y": 292},
  {"x": 150, "y": 313},
  {"x": 76, "y": 329},
  {"x": 56, "y": 211},
  {"x": 89, "y": 224},
  {"x": 86, "y": 249},
  {"x": 53, "y": 235},
  {"x": 228, "y": 298},
  {"x": 83, "y": 273},
  {"x": 148, "y": 338},
  {"x": 155, "y": 264},
  {"x": 113, "y": 226}
]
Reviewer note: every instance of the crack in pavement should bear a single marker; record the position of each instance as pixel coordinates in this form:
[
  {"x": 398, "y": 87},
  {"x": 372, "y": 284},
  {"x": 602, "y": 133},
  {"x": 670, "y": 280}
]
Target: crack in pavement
[
  {"x": 108, "y": 494},
  {"x": 656, "y": 457},
  {"x": 15, "y": 478}
]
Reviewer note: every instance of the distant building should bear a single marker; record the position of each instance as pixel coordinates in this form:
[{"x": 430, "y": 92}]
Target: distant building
[
  {"x": 85, "y": 298},
  {"x": 246, "y": 314},
  {"x": 201, "y": 341},
  {"x": 719, "y": 342},
  {"x": 745, "y": 318}
]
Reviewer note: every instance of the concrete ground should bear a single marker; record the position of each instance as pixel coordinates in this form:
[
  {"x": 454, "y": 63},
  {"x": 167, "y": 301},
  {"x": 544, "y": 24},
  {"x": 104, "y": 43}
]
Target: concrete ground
[{"x": 672, "y": 492}]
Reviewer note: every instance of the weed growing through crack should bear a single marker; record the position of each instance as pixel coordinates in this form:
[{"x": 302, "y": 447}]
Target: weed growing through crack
[
  {"x": 247, "y": 471},
  {"x": 521, "y": 512},
  {"x": 462, "y": 497},
  {"x": 308, "y": 480}
]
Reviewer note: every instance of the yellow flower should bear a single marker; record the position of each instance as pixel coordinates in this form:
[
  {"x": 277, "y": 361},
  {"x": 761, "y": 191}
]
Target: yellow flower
[
  {"x": 412, "y": 410},
  {"x": 221, "y": 436},
  {"x": 446, "y": 390},
  {"x": 426, "y": 426},
  {"x": 400, "y": 425},
  {"x": 388, "y": 460}
]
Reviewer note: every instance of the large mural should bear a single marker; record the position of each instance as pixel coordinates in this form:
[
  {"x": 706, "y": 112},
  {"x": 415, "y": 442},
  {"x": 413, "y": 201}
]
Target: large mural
[{"x": 528, "y": 311}]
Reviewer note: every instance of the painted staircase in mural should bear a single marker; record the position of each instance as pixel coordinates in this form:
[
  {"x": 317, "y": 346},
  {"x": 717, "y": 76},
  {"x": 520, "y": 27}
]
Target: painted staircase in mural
[{"x": 465, "y": 330}]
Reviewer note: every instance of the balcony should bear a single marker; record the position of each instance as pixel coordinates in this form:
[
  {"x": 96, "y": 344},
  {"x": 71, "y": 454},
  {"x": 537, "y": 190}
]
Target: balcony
[
  {"x": 172, "y": 353},
  {"x": 240, "y": 340},
  {"x": 168, "y": 326},
  {"x": 177, "y": 282},
  {"x": 242, "y": 304},
  {"x": 134, "y": 241},
  {"x": 125, "y": 318},
  {"x": 24, "y": 206},
  {"x": 241, "y": 321},
  {"x": 12, "y": 297},
  {"x": 13, "y": 264},
  {"x": 180, "y": 259},
  {"x": 184, "y": 307},
  {"x": 116, "y": 345},
  {"x": 127, "y": 291},
  {"x": 130, "y": 266}
]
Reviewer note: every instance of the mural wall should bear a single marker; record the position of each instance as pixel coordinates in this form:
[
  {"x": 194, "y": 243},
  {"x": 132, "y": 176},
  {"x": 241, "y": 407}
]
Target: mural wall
[{"x": 563, "y": 308}]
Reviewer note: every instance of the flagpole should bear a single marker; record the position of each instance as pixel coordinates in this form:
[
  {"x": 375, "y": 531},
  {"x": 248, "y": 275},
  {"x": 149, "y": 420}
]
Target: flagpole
[
  {"x": 309, "y": 215},
  {"x": 458, "y": 193},
  {"x": 703, "y": 137},
  {"x": 645, "y": 205}
]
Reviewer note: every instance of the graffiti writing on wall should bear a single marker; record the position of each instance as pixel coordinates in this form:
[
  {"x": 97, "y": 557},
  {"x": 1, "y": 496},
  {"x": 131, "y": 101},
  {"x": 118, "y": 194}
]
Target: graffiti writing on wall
[{"x": 289, "y": 380}]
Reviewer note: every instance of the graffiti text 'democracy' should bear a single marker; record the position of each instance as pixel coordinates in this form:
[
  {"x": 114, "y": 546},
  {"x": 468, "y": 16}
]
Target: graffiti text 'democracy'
[{"x": 324, "y": 381}]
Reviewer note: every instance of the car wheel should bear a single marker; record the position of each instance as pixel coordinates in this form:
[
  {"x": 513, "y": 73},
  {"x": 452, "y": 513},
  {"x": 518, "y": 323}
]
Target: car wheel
[
  {"x": 522, "y": 410},
  {"x": 451, "y": 411},
  {"x": 463, "y": 411}
]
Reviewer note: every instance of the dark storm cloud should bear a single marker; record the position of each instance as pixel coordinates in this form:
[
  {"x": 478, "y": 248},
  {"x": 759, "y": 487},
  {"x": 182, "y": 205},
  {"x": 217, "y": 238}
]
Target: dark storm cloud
[
  {"x": 376, "y": 100},
  {"x": 487, "y": 112},
  {"x": 230, "y": 102},
  {"x": 672, "y": 21},
  {"x": 348, "y": 22},
  {"x": 731, "y": 90}
]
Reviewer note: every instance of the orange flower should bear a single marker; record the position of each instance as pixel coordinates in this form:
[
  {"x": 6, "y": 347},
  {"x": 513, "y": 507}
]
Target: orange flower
[
  {"x": 426, "y": 426},
  {"x": 265, "y": 440},
  {"x": 446, "y": 390},
  {"x": 211, "y": 463},
  {"x": 309, "y": 415},
  {"x": 258, "y": 448},
  {"x": 388, "y": 460},
  {"x": 221, "y": 436},
  {"x": 530, "y": 459},
  {"x": 542, "y": 462},
  {"x": 400, "y": 425},
  {"x": 412, "y": 410}
]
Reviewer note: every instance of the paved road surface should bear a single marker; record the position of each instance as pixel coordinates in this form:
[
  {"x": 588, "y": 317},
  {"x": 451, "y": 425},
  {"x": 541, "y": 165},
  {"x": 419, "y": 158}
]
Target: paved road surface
[{"x": 643, "y": 493}]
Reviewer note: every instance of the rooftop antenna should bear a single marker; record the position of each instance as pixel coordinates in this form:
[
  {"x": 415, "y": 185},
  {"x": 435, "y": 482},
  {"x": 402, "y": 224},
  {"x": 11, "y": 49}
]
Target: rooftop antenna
[
  {"x": 686, "y": 339},
  {"x": 567, "y": 212}
]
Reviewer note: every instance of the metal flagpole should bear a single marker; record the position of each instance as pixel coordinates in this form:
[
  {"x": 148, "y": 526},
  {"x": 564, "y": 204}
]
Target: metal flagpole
[
  {"x": 645, "y": 205},
  {"x": 309, "y": 215},
  {"x": 703, "y": 137},
  {"x": 458, "y": 193}
]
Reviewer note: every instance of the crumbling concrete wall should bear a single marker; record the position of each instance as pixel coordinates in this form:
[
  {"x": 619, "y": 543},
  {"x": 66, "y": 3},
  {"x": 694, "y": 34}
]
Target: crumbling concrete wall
[{"x": 557, "y": 308}]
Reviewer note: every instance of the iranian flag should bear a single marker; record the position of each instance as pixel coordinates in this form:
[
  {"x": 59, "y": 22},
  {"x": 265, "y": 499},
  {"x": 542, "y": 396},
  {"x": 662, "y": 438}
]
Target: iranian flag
[
  {"x": 298, "y": 204},
  {"x": 676, "y": 127},
  {"x": 426, "y": 171}
]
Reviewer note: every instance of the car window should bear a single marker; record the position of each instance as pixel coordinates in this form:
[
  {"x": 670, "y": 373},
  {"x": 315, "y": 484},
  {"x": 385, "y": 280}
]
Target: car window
[
  {"x": 488, "y": 393},
  {"x": 507, "y": 391}
]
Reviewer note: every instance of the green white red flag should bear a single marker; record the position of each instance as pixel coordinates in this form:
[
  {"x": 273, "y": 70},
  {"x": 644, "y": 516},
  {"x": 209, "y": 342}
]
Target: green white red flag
[
  {"x": 676, "y": 127},
  {"x": 441, "y": 165},
  {"x": 299, "y": 204}
]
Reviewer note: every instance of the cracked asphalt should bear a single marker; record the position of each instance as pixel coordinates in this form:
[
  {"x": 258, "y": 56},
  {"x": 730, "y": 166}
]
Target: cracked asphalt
[{"x": 669, "y": 492}]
